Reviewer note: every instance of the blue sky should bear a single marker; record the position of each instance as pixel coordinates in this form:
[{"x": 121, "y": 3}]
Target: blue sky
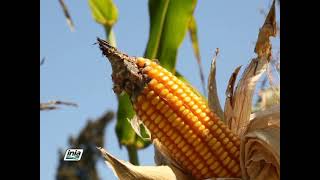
[{"x": 76, "y": 71}]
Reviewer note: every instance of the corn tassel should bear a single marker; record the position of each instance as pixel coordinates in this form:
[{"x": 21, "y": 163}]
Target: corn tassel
[{"x": 181, "y": 120}]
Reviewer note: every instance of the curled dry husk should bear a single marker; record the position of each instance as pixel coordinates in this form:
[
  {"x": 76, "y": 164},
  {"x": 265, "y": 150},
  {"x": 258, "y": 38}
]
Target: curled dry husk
[{"x": 259, "y": 132}]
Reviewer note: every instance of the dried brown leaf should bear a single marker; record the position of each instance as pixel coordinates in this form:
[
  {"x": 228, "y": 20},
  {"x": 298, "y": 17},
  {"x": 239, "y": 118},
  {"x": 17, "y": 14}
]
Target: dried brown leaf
[
  {"x": 213, "y": 98},
  {"x": 52, "y": 105},
  {"x": 228, "y": 108},
  {"x": 126, "y": 171},
  {"x": 241, "y": 100},
  {"x": 67, "y": 15}
]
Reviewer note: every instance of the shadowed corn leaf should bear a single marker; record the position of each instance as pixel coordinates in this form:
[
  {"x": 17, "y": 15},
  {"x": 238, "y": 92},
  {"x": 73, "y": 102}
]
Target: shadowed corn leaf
[
  {"x": 168, "y": 25},
  {"x": 241, "y": 103},
  {"x": 193, "y": 31}
]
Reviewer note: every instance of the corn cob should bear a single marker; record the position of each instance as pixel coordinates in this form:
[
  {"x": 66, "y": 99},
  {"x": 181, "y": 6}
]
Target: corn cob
[{"x": 175, "y": 115}]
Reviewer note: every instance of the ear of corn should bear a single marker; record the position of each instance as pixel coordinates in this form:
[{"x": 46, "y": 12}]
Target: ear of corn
[{"x": 181, "y": 120}]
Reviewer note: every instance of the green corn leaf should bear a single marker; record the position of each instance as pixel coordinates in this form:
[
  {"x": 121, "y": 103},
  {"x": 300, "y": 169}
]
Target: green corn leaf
[
  {"x": 168, "y": 25},
  {"x": 104, "y": 12}
]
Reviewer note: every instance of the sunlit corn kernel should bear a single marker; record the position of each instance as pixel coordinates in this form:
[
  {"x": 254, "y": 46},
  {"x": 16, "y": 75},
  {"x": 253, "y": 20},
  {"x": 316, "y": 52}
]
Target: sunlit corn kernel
[
  {"x": 168, "y": 96},
  {"x": 183, "y": 95},
  {"x": 159, "y": 87},
  {"x": 164, "y": 79},
  {"x": 178, "y": 104},
  {"x": 216, "y": 146},
  {"x": 155, "y": 100},
  {"x": 194, "y": 107},
  {"x": 177, "y": 140},
  {"x": 164, "y": 92},
  {"x": 174, "y": 87},
  {"x": 198, "y": 111},
  {"x": 185, "y": 112},
  {"x": 187, "y": 99},
  {"x": 170, "y": 83},
  {"x": 197, "y": 124},
  {"x": 191, "y": 103},
  {"x": 154, "y": 64},
  {"x": 202, "y": 115},
  {"x": 179, "y": 91},
  {"x": 153, "y": 73},
  {"x": 160, "y": 74}
]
